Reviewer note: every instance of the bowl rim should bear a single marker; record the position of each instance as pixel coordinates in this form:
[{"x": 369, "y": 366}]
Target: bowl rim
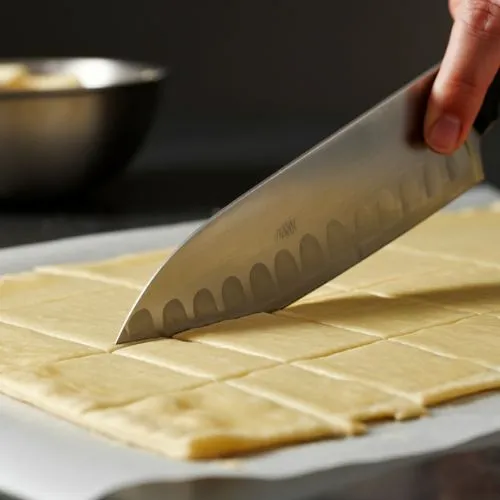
[{"x": 158, "y": 74}]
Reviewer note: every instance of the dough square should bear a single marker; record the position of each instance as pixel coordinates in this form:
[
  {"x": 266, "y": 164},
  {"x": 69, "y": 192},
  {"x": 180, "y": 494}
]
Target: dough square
[
  {"x": 471, "y": 288},
  {"x": 327, "y": 291},
  {"x": 93, "y": 319},
  {"x": 276, "y": 337},
  {"x": 385, "y": 265},
  {"x": 471, "y": 236},
  {"x": 75, "y": 386},
  {"x": 30, "y": 288},
  {"x": 208, "y": 422},
  {"x": 373, "y": 315},
  {"x": 407, "y": 371},
  {"x": 195, "y": 358},
  {"x": 21, "y": 348},
  {"x": 343, "y": 403},
  {"x": 475, "y": 339},
  {"x": 129, "y": 270}
]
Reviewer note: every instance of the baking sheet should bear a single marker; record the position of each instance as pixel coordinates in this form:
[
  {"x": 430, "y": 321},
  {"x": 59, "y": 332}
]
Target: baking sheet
[{"x": 44, "y": 458}]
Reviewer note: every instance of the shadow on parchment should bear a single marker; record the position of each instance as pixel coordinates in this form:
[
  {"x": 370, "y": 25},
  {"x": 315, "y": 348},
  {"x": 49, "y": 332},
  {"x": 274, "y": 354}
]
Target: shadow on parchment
[{"x": 470, "y": 471}]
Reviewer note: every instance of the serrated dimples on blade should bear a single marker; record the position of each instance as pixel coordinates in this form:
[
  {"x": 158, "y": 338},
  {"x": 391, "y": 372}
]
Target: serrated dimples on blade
[
  {"x": 204, "y": 305},
  {"x": 436, "y": 177},
  {"x": 233, "y": 295},
  {"x": 312, "y": 259},
  {"x": 174, "y": 314},
  {"x": 411, "y": 192},
  {"x": 286, "y": 270},
  {"x": 141, "y": 321},
  {"x": 389, "y": 206},
  {"x": 342, "y": 247},
  {"x": 453, "y": 168},
  {"x": 261, "y": 283}
]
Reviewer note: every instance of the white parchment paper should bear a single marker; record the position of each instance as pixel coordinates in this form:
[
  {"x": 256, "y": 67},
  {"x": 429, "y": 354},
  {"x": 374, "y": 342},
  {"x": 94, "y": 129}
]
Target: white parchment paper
[{"x": 44, "y": 458}]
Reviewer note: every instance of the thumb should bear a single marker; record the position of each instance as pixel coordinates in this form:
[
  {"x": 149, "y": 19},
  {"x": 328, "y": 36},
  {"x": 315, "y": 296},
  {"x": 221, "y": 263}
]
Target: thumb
[{"x": 471, "y": 61}]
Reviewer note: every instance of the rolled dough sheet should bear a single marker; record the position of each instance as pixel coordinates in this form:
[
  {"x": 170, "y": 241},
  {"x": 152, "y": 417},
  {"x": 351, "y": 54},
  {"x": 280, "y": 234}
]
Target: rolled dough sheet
[
  {"x": 92, "y": 319},
  {"x": 276, "y": 337},
  {"x": 211, "y": 421},
  {"x": 218, "y": 364},
  {"x": 325, "y": 367},
  {"x": 373, "y": 315},
  {"x": 473, "y": 289},
  {"x": 384, "y": 266},
  {"x": 470, "y": 236},
  {"x": 74, "y": 386},
  {"x": 30, "y": 288},
  {"x": 474, "y": 339},
  {"x": 399, "y": 369},
  {"x": 129, "y": 270},
  {"x": 334, "y": 400},
  {"x": 21, "y": 348}
]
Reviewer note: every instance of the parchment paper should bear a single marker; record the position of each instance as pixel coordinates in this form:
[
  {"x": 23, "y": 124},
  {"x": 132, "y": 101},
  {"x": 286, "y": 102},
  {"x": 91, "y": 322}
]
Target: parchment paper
[{"x": 44, "y": 458}]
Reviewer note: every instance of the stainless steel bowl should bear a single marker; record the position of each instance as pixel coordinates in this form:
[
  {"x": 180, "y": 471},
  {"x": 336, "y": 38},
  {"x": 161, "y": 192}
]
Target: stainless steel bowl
[{"x": 65, "y": 141}]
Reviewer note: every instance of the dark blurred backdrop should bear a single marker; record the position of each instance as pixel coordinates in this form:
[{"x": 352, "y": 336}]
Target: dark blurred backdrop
[{"x": 254, "y": 82}]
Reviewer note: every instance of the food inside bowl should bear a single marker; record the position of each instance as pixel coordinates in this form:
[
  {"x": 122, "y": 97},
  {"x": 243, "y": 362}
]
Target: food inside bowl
[{"x": 19, "y": 77}]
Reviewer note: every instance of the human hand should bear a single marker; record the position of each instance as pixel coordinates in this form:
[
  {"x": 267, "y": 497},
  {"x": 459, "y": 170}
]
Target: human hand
[{"x": 469, "y": 66}]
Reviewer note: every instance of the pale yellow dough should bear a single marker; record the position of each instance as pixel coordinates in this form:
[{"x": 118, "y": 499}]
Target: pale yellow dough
[
  {"x": 398, "y": 369},
  {"x": 415, "y": 325},
  {"x": 97, "y": 381},
  {"x": 471, "y": 288},
  {"x": 475, "y": 339},
  {"x": 373, "y": 315},
  {"x": 218, "y": 364},
  {"x": 21, "y": 348},
  {"x": 129, "y": 270},
  {"x": 468, "y": 237},
  {"x": 387, "y": 265},
  {"x": 279, "y": 338},
  {"x": 93, "y": 318},
  {"x": 209, "y": 422},
  {"x": 27, "y": 289},
  {"x": 337, "y": 401}
]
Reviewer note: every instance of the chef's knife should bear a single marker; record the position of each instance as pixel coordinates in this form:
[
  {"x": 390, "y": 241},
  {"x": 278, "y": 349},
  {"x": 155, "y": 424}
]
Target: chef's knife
[{"x": 325, "y": 212}]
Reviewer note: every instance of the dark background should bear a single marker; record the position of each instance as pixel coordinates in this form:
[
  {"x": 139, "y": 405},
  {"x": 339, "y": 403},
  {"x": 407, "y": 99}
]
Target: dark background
[{"x": 254, "y": 82}]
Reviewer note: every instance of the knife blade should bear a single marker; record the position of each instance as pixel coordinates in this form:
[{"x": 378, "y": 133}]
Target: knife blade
[{"x": 332, "y": 207}]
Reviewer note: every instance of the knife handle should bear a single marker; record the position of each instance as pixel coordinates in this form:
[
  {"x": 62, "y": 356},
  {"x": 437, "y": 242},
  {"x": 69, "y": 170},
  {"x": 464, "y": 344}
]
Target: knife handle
[{"x": 490, "y": 109}]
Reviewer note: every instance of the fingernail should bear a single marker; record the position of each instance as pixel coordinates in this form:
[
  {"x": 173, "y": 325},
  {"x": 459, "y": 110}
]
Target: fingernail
[{"x": 445, "y": 133}]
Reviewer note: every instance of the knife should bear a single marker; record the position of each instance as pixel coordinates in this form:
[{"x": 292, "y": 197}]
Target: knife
[{"x": 332, "y": 207}]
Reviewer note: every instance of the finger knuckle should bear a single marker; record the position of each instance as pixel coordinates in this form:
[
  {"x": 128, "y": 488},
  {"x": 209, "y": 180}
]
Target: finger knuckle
[{"x": 482, "y": 18}]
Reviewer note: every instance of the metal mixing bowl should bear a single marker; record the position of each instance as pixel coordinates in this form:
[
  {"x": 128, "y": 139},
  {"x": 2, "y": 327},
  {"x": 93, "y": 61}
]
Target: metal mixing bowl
[{"x": 65, "y": 141}]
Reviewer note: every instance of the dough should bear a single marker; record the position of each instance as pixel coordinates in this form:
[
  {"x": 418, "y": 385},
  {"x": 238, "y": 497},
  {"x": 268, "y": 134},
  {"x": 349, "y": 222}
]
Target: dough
[
  {"x": 381, "y": 267},
  {"x": 372, "y": 315},
  {"x": 27, "y": 289},
  {"x": 22, "y": 348},
  {"x": 412, "y": 326},
  {"x": 74, "y": 386},
  {"x": 213, "y": 421},
  {"x": 424, "y": 377},
  {"x": 279, "y": 338},
  {"x": 323, "y": 293},
  {"x": 337, "y": 401},
  {"x": 470, "y": 237},
  {"x": 475, "y": 339},
  {"x": 196, "y": 358},
  {"x": 130, "y": 270},
  {"x": 93, "y": 319},
  {"x": 471, "y": 288}
]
